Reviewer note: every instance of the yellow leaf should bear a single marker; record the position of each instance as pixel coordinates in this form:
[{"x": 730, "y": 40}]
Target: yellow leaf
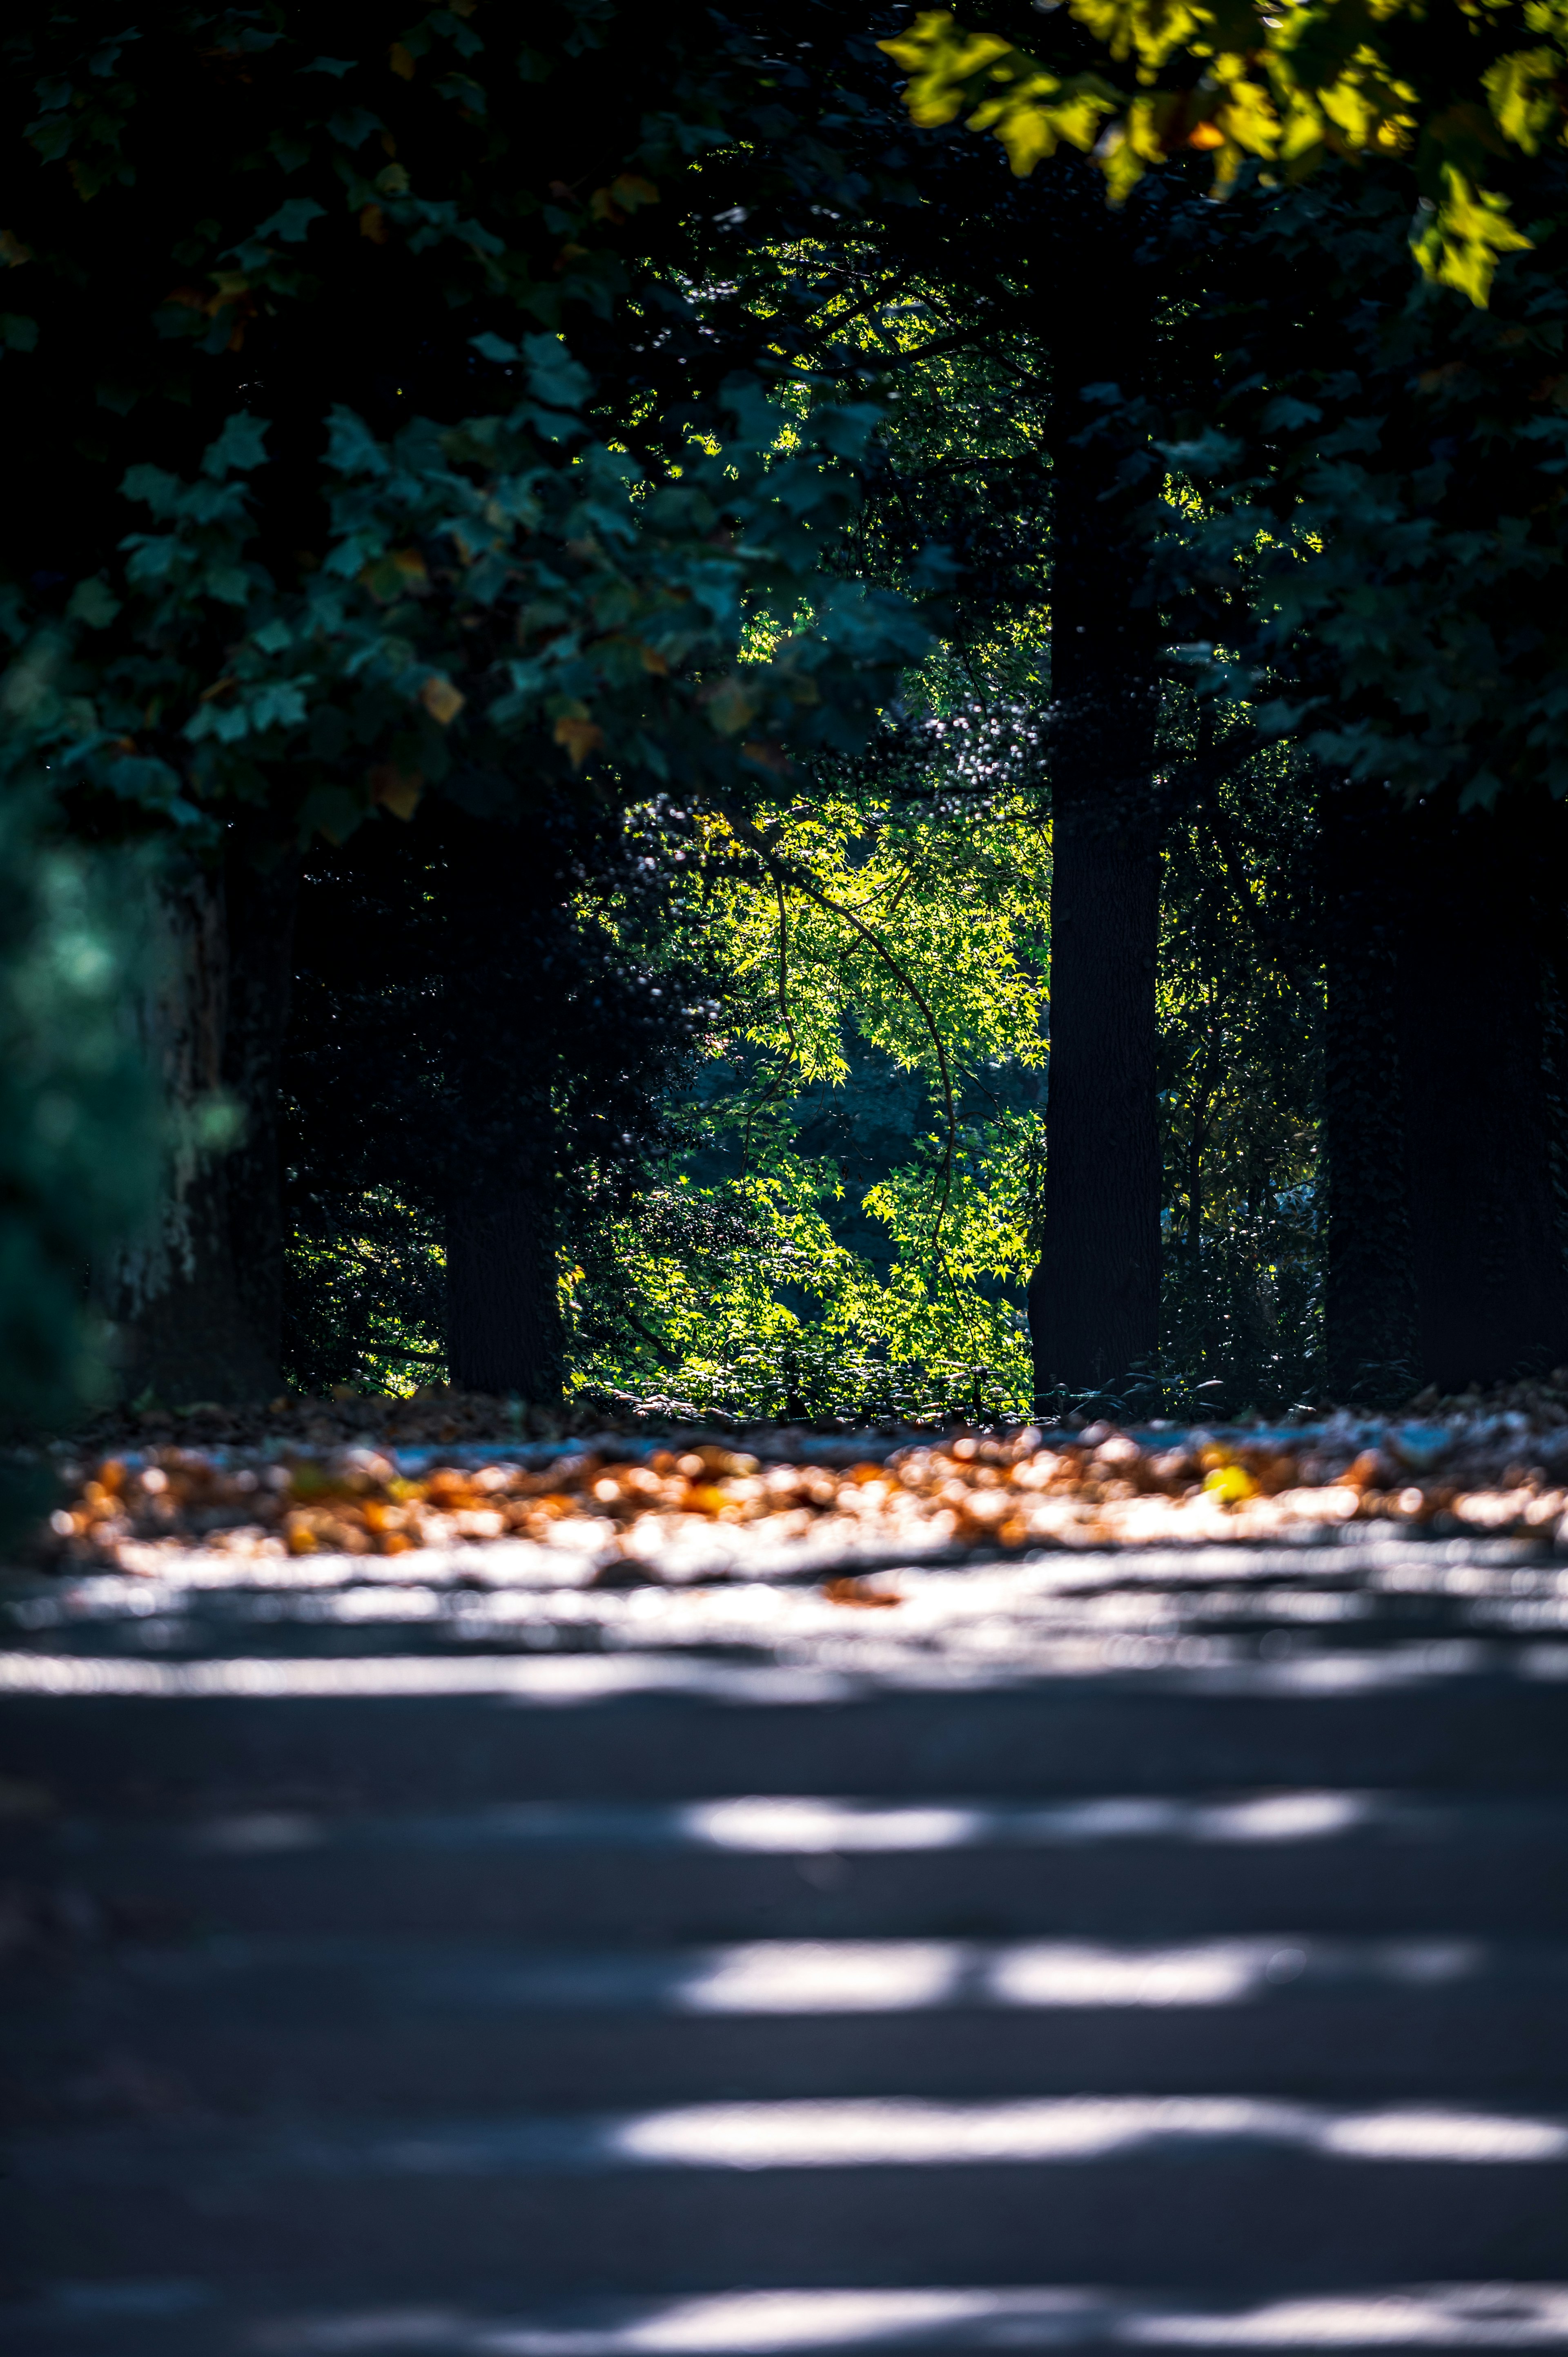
[
  {"x": 1229, "y": 1484},
  {"x": 373, "y": 224},
  {"x": 441, "y": 699},
  {"x": 1462, "y": 241},
  {"x": 581, "y": 736},
  {"x": 400, "y": 61},
  {"x": 12, "y": 250},
  {"x": 1523, "y": 90},
  {"x": 630, "y": 189},
  {"x": 942, "y": 60}
]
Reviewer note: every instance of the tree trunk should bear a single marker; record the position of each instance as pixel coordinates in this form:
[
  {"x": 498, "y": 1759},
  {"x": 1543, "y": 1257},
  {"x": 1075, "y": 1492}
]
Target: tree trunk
[
  {"x": 1446, "y": 1261},
  {"x": 504, "y": 1329},
  {"x": 1370, "y": 1277},
  {"x": 503, "y": 1315},
  {"x": 1094, "y": 1302},
  {"x": 195, "y": 1301},
  {"x": 1491, "y": 1289}
]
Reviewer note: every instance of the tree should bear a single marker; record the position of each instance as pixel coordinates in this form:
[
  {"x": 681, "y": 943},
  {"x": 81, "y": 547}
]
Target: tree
[
  {"x": 1383, "y": 475},
  {"x": 1064, "y": 293},
  {"x": 301, "y": 296},
  {"x": 1094, "y": 1303},
  {"x": 1379, "y": 463},
  {"x": 445, "y": 1053}
]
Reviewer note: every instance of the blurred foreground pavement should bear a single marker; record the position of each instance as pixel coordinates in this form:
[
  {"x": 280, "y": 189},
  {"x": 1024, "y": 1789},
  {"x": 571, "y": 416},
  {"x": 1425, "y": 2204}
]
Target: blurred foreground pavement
[{"x": 1117, "y": 1947}]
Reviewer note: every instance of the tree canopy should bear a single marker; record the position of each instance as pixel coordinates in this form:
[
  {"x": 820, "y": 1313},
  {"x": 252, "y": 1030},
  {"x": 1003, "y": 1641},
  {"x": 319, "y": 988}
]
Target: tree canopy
[
  {"x": 1452, "y": 91},
  {"x": 804, "y": 717}
]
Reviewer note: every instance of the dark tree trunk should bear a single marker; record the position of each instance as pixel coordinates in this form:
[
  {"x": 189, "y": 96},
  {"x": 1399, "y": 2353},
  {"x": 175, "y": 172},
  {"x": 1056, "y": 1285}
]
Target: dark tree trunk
[
  {"x": 1446, "y": 1260},
  {"x": 1095, "y": 1298},
  {"x": 1491, "y": 1291},
  {"x": 504, "y": 1329},
  {"x": 1369, "y": 1279},
  {"x": 196, "y": 1300},
  {"x": 503, "y": 1316}
]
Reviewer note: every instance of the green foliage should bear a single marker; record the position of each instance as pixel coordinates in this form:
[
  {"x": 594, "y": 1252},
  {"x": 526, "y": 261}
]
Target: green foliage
[
  {"x": 419, "y": 468},
  {"x": 857, "y": 935},
  {"x": 559, "y": 564},
  {"x": 1240, "y": 997},
  {"x": 1451, "y": 88},
  {"x": 363, "y": 1293},
  {"x": 512, "y": 580},
  {"x": 404, "y": 453},
  {"x": 1376, "y": 536}
]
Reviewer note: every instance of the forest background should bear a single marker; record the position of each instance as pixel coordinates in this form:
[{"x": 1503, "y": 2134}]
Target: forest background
[{"x": 552, "y": 795}]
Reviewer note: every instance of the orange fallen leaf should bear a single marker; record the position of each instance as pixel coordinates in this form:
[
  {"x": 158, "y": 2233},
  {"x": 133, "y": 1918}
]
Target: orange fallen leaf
[{"x": 856, "y": 1594}]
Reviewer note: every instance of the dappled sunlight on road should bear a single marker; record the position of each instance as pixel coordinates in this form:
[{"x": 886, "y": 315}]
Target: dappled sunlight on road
[{"x": 1471, "y": 2316}]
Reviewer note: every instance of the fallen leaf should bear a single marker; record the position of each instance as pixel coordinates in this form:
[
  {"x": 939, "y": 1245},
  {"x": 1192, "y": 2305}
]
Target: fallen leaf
[{"x": 858, "y": 1594}]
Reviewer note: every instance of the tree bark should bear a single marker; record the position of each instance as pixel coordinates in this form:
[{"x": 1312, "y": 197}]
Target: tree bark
[
  {"x": 503, "y": 1315},
  {"x": 1446, "y": 1258},
  {"x": 1094, "y": 1301},
  {"x": 1486, "y": 1245},
  {"x": 195, "y": 1301}
]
